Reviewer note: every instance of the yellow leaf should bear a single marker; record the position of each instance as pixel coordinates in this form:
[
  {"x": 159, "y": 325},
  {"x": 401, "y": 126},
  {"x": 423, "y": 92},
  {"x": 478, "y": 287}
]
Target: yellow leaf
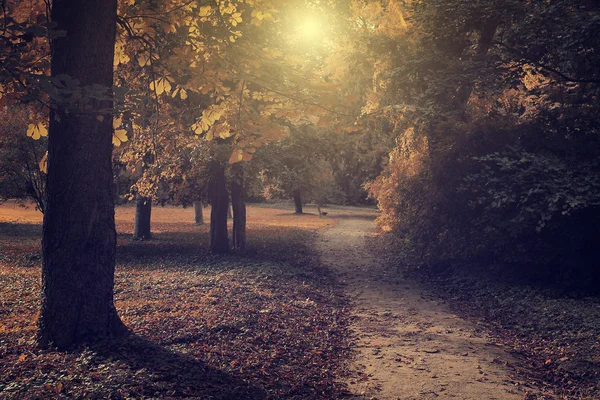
[
  {"x": 143, "y": 59},
  {"x": 183, "y": 94},
  {"x": 205, "y": 11},
  {"x": 119, "y": 136},
  {"x": 204, "y": 125},
  {"x": 197, "y": 129},
  {"x": 117, "y": 122},
  {"x": 236, "y": 156},
  {"x": 36, "y": 131},
  {"x": 166, "y": 85},
  {"x": 160, "y": 87},
  {"x": 44, "y": 165}
]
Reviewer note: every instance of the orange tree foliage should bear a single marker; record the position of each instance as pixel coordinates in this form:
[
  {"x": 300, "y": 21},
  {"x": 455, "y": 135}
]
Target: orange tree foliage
[
  {"x": 232, "y": 69},
  {"x": 494, "y": 106},
  {"x": 229, "y": 71}
]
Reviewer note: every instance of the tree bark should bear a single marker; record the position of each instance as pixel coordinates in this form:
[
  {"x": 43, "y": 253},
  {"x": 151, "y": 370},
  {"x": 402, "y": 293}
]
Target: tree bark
[
  {"x": 143, "y": 214},
  {"x": 198, "y": 215},
  {"x": 239, "y": 207},
  {"x": 219, "y": 240},
  {"x": 79, "y": 236},
  {"x": 297, "y": 201}
]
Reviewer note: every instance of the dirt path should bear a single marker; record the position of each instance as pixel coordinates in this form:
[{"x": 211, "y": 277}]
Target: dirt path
[{"x": 410, "y": 347}]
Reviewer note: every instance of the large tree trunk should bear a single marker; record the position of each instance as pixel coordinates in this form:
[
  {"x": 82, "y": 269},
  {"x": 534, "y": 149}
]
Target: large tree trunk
[
  {"x": 198, "y": 215},
  {"x": 239, "y": 207},
  {"x": 297, "y": 201},
  {"x": 143, "y": 214},
  {"x": 219, "y": 241},
  {"x": 79, "y": 237}
]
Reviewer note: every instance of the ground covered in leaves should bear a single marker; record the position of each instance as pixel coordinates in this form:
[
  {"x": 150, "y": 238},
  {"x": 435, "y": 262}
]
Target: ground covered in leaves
[
  {"x": 269, "y": 323},
  {"x": 554, "y": 333}
]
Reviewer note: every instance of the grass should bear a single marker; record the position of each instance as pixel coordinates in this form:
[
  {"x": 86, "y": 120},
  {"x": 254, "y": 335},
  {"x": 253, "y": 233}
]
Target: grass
[{"x": 268, "y": 323}]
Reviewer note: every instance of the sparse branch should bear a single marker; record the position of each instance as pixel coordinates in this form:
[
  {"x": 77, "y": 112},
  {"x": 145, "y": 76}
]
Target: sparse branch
[{"x": 545, "y": 67}]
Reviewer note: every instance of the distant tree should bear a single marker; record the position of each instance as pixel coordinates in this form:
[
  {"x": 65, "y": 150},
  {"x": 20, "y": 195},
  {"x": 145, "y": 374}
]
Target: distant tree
[
  {"x": 219, "y": 199},
  {"x": 21, "y": 159},
  {"x": 298, "y": 167}
]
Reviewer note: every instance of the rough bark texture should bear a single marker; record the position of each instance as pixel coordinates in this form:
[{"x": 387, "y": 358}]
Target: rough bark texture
[
  {"x": 219, "y": 241},
  {"x": 239, "y": 207},
  {"x": 79, "y": 239},
  {"x": 143, "y": 215},
  {"x": 198, "y": 215},
  {"x": 297, "y": 201}
]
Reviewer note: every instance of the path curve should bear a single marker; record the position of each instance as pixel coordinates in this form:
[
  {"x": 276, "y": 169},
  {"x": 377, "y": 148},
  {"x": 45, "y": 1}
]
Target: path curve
[{"x": 410, "y": 347}]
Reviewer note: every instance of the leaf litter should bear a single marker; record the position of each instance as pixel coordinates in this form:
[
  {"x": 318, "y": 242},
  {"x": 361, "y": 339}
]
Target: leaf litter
[{"x": 270, "y": 323}]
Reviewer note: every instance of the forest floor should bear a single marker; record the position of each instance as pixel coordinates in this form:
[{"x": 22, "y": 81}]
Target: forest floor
[
  {"x": 269, "y": 323},
  {"x": 317, "y": 308}
]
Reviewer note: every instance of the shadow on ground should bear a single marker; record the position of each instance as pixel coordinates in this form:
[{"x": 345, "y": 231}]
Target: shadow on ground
[{"x": 149, "y": 370}]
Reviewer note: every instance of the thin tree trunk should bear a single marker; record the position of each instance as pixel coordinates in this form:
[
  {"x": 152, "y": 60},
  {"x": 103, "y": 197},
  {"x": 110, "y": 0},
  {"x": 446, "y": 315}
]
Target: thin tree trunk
[
  {"x": 239, "y": 207},
  {"x": 198, "y": 214},
  {"x": 484, "y": 43},
  {"x": 143, "y": 214},
  {"x": 229, "y": 212},
  {"x": 219, "y": 241},
  {"x": 297, "y": 201},
  {"x": 79, "y": 237}
]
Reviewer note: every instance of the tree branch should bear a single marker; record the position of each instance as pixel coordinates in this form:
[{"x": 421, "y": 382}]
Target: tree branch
[{"x": 545, "y": 67}]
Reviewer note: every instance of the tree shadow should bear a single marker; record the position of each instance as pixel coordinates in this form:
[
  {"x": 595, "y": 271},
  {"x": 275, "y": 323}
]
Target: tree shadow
[
  {"x": 295, "y": 214},
  {"x": 145, "y": 369},
  {"x": 369, "y": 217},
  {"x": 20, "y": 230}
]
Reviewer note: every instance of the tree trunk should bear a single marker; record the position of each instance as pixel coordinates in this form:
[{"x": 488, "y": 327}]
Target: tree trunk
[
  {"x": 143, "y": 214},
  {"x": 239, "y": 207},
  {"x": 199, "y": 216},
  {"x": 79, "y": 237},
  {"x": 297, "y": 201},
  {"x": 229, "y": 213},
  {"x": 219, "y": 241},
  {"x": 484, "y": 43}
]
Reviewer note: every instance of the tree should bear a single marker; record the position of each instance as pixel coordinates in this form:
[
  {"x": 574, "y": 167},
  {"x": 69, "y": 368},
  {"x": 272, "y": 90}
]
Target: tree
[
  {"x": 198, "y": 213},
  {"x": 299, "y": 167},
  {"x": 484, "y": 104},
  {"x": 219, "y": 198},
  {"x": 238, "y": 203},
  {"x": 79, "y": 241}
]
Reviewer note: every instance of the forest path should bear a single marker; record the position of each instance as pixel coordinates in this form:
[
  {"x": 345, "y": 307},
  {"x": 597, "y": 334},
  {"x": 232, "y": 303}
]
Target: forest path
[{"x": 409, "y": 347}]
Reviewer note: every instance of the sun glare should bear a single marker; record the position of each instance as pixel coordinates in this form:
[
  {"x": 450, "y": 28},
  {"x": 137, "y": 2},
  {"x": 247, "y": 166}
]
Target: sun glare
[{"x": 309, "y": 28}]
